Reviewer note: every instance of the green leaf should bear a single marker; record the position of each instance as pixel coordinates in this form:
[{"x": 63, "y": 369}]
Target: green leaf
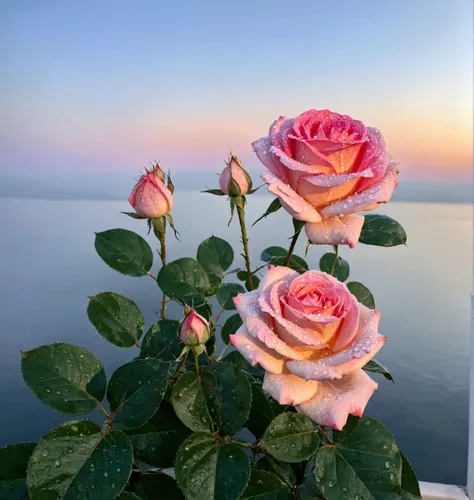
[
  {"x": 382, "y": 231},
  {"x": 409, "y": 479},
  {"x": 242, "y": 275},
  {"x": 156, "y": 442},
  {"x": 209, "y": 469},
  {"x": 227, "y": 292},
  {"x": 65, "y": 377},
  {"x": 291, "y": 437},
  {"x": 362, "y": 294},
  {"x": 189, "y": 403},
  {"x": 231, "y": 325},
  {"x": 13, "y": 462},
  {"x": 376, "y": 367},
  {"x": 277, "y": 257},
  {"x": 215, "y": 256},
  {"x": 124, "y": 251},
  {"x": 116, "y": 318},
  {"x": 228, "y": 396},
  {"x": 271, "y": 253},
  {"x": 183, "y": 279},
  {"x": 264, "y": 485},
  {"x": 161, "y": 341},
  {"x": 241, "y": 363},
  {"x": 274, "y": 206},
  {"x": 255, "y": 280},
  {"x": 365, "y": 458},
  {"x": 75, "y": 460},
  {"x": 336, "y": 477},
  {"x": 135, "y": 391},
  {"x": 158, "y": 486},
  {"x": 336, "y": 266},
  {"x": 261, "y": 413}
]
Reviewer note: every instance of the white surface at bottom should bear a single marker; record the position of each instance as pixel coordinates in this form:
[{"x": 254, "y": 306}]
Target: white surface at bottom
[{"x": 436, "y": 491}]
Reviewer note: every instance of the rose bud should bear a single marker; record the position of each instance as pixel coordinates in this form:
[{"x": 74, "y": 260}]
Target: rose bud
[
  {"x": 150, "y": 197},
  {"x": 234, "y": 179},
  {"x": 194, "y": 329}
]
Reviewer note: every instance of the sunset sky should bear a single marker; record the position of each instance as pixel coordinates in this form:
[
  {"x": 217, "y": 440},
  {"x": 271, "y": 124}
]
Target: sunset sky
[{"x": 111, "y": 84}]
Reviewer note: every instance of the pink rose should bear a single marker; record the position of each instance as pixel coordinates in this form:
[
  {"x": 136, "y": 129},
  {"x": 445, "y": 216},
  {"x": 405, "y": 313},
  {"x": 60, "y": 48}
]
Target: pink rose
[
  {"x": 194, "y": 329},
  {"x": 323, "y": 167},
  {"x": 234, "y": 171},
  {"x": 150, "y": 197},
  {"x": 312, "y": 337}
]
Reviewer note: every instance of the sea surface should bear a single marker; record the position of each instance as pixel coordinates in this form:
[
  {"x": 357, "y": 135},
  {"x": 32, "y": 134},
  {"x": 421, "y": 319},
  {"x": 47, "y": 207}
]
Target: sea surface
[{"x": 48, "y": 268}]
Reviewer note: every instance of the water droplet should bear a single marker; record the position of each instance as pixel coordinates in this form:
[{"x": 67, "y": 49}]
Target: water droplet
[
  {"x": 45, "y": 453},
  {"x": 57, "y": 463},
  {"x": 331, "y": 484},
  {"x": 106, "y": 474},
  {"x": 388, "y": 465}
]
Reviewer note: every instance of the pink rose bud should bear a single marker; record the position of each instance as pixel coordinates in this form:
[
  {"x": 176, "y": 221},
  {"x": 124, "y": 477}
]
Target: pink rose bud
[
  {"x": 150, "y": 197},
  {"x": 194, "y": 329},
  {"x": 234, "y": 179}
]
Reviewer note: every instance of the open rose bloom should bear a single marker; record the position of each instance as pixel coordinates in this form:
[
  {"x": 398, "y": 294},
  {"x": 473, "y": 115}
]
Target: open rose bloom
[
  {"x": 312, "y": 337},
  {"x": 324, "y": 167}
]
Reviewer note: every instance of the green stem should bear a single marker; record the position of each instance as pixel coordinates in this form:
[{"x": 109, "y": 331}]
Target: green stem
[
  {"x": 163, "y": 261},
  {"x": 196, "y": 363},
  {"x": 241, "y": 214},
  {"x": 292, "y": 247},
  {"x": 178, "y": 370},
  {"x": 336, "y": 260},
  {"x": 222, "y": 353}
]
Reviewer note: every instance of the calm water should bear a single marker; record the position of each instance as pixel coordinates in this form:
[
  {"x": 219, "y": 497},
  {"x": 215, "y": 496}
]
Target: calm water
[{"x": 48, "y": 267}]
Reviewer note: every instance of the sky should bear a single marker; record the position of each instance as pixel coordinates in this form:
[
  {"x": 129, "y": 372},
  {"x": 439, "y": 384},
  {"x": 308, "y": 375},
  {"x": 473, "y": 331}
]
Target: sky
[{"x": 108, "y": 86}]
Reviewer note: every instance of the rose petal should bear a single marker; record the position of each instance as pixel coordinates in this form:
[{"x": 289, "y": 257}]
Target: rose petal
[
  {"x": 305, "y": 153},
  {"x": 288, "y": 388},
  {"x": 375, "y": 157},
  {"x": 367, "y": 344},
  {"x": 292, "y": 334},
  {"x": 261, "y": 148},
  {"x": 256, "y": 352},
  {"x": 313, "y": 370},
  {"x": 279, "y": 131},
  {"x": 349, "y": 327},
  {"x": 293, "y": 203},
  {"x": 343, "y": 230},
  {"x": 335, "y": 400},
  {"x": 292, "y": 164},
  {"x": 380, "y": 192},
  {"x": 346, "y": 159},
  {"x": 332, "y": 180},
  {"x": 276, "y": 273},
  {"x": 257, "y": 325}
]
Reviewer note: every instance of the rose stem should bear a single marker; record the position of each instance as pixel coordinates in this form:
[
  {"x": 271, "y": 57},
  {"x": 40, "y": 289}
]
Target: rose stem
[
  {"x": 292, "y": 247},
  {"x": 163, "y": 261},
  {"x": 241, "y": 214}
]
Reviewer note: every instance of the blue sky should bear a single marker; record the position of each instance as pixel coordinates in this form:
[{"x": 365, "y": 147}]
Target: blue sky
[{"x": 104, "y": 85}]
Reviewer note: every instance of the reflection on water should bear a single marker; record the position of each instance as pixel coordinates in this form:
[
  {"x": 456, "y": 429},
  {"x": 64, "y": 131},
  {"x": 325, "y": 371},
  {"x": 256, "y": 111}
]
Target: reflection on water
[{"x": 48, "y": 267}]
